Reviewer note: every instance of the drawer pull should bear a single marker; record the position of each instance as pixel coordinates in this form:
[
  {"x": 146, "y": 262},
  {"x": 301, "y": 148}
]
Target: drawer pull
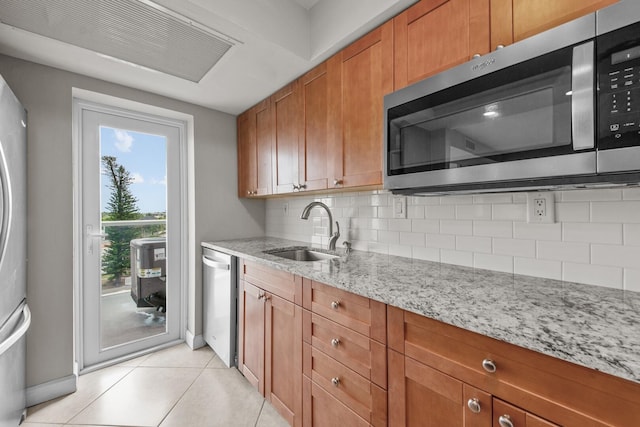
[
  {"x": 335, "y": 381},
  {"x": 335, "y": 304},
  {"x": 335, "y": 342},
  {"x": 474, "y": 405},
  {"x": 505, "y": 421},
  {"x": 489, "y": 365}
]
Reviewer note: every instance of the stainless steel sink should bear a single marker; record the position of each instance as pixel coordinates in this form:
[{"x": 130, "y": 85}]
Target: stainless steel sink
[{"x": 301, "y": 254}]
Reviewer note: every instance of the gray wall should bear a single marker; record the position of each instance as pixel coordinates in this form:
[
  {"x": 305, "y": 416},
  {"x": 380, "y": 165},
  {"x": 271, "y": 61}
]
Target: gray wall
[{"x": 46, "y": 93}]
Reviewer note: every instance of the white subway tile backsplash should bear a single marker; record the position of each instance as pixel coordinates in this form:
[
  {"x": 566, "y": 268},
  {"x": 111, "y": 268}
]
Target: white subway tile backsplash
[
  {"x": 592, "y": 233},
  {"x": 456, "y": 227},
  {"x": 502, "y": 263},
  {"x": 515, "y": 247},
  {"x": 473, "y": 212},
  {"x": 456, "y": 257},
  {"x": 595, "y": 240},
  {"x": 473, "y": 244},
  {"x": 595, "y": 195},
  {"x": 425, "y": 226},
  {"x": 613, "y": 255},
  {"x": 440, "y": 212},
  {"x": 412, "y": 239},
  {"x": 523, "y": 230},
  {"x": 632, "y": 279},
  {"x": 538, "y": 267},
  {"x": 515, "y": 212},
  {"x": 443, "y": 241},
  {"x": 493, "y": 198},
  {"x": 399, "y": 225},
  {"x": 618, "y": 212},
  {"x": 564, "y": 251},
  {"x": 631, "y": 233},
  {"x": 493, "y": 228},
  {"x": 572, "y": 212},
  {"x": 592, "y": 274}
]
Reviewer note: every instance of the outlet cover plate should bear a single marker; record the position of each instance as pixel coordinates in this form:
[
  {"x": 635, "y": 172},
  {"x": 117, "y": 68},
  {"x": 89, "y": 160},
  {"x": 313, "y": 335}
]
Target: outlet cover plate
[
  {"x": 541, "y": 208},
  {"x": 400, "y": 206}
]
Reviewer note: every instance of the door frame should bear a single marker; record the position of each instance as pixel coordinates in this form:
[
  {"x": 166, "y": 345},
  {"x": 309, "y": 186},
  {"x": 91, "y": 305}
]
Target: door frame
[{"x": 83, "y": 99}]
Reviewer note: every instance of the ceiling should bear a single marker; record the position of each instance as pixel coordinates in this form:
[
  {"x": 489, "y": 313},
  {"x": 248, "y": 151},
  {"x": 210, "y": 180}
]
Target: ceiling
[{"x": 273, "y": 42}]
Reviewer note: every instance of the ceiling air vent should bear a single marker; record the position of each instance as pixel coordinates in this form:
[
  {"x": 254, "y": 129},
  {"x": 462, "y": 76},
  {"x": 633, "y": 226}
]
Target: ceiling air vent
[{"x": 136, "y": 31}]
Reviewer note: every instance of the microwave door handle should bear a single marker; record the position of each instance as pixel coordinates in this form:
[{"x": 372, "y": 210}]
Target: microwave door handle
[{"x": 582, "y": 100}]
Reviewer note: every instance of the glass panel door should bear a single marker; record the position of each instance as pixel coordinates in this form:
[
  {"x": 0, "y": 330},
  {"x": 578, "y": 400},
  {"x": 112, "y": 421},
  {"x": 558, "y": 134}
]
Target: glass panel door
[{"x": 131, "y": 287}]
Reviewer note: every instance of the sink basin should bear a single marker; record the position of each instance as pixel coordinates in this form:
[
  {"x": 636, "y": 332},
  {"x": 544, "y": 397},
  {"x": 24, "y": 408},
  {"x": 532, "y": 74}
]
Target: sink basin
[{"x": 301, "y": 254}]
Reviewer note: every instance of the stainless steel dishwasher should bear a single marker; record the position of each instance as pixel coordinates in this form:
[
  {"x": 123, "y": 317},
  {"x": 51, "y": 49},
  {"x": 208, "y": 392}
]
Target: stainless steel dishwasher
[{"x": 219, "y": 307}]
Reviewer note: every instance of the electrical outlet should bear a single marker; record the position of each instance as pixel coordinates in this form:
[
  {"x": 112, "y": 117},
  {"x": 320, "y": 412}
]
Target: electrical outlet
[
  {"x": 400, "y": 207},
  {"x": 540, "y": 208}
]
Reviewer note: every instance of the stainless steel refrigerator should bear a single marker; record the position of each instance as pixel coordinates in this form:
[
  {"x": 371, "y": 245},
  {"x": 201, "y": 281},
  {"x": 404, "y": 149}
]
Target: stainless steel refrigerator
[{"x": 14, "y": 312}]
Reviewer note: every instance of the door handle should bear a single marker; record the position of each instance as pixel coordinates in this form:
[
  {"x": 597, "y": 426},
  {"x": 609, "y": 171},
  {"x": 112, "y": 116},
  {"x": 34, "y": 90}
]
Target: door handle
[
  {"x": 90, "y": 236},
  {"x": 215, "y": 264},
  {"x": 19, "y": 332}
]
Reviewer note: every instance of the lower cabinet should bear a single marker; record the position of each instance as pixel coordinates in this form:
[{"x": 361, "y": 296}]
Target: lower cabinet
[{"x": 270, "y": 343}]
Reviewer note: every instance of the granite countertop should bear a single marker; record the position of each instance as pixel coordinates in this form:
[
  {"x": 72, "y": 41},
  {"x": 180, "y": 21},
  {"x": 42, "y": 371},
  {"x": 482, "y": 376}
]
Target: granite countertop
[{"x": 592, "y": 326}]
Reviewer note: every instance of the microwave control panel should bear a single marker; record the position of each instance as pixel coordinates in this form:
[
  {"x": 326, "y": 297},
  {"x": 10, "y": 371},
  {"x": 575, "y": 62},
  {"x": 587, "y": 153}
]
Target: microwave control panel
[{"x": 619, "y": 88}]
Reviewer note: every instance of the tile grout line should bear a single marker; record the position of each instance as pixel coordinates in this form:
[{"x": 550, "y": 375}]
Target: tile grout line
[
  {"x": 260, "y": 413},
  {"x": 183, "y": 394}
]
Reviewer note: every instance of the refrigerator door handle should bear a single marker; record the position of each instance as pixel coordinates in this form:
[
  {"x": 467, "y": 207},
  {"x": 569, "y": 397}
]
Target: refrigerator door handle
[{"x": 19, "y": 332}]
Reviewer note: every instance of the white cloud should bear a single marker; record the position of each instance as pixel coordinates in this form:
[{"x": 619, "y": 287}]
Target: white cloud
[
  {"x": 136, "y": 178},
  {"x": 163, "y": 181},
  {"x": 124, "y": 140}
]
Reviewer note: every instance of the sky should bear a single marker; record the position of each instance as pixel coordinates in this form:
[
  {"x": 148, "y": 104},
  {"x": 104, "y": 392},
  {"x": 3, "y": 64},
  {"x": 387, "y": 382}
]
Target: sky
[{"x": 145, "y": 157}]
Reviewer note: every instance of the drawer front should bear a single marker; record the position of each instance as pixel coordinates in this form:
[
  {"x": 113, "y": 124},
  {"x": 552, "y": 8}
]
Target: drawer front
[
  {"x": 504, "y": 412},
  {"x": 356, "y": 392},
  {"x": 361, "y": 314},
  {"x": 278, "y": 282},
  {"x": 365, "y": 356},
  {"x": 564, "y": 393},
  {"x": 323, "y": 410}
]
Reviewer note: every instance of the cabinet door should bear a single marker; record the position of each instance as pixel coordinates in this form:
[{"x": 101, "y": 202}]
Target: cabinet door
[
  {"x": 283, "y": 358},
  {"x": 318, "y": 127},
  {"x": 251, "y": 311},
  {"x": 422, "y": 396},
  {"x": 366, "y": 70},
  {"x": 505, "y": 415},
  {"x": 285, "y": 108},
  {"x": 434, "y": 35},
  {"x": 254, "y": 151},
  {"x": 247, "y": 154},
  {"x": 514, "y": 20}
]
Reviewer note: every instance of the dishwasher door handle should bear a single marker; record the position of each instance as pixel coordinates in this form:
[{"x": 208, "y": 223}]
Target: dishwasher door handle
[{"x": 215, "y": 264}]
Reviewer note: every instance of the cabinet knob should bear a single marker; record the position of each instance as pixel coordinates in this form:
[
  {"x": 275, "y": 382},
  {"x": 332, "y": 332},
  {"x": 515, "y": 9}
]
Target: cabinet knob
[
  {"x": 477, "y": 55},
  {"x": 500, "y": 46},
  {"x": 296, "y": 187},
  {"x": 505, "y": 421},
  {"x": 335, "y": 304},
  {"x": 489, "y": 365},
  {"x": 337, "y": 182},
  {"x": 262, "y": 295},
  {"x": 474, "y": 405},
  {"x": 302, "y": 186},
  {"x": 335, "y": 342},
  {"x": 335, "y": 381}
]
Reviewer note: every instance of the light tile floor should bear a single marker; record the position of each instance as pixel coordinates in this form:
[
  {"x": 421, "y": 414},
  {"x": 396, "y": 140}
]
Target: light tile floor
[{"x": 169, "y": 388}]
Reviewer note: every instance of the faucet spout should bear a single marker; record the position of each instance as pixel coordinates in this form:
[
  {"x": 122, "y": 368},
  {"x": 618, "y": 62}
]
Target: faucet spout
[{"x": 333, "y": 237}]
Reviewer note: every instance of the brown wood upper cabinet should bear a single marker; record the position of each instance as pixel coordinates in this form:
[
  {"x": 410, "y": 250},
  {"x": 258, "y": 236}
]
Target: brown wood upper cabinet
[
  {"x": 514, "y": 20},
  {"x": 434, "y": 35},
  {"x": 285, "y": 110},
  {"x": 366, "y": 75},
  {"x": 254, "y": 151}
]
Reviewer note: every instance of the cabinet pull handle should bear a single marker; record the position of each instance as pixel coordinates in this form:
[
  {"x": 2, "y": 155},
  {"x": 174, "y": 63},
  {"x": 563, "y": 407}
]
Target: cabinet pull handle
[
  {"x": 489, "y": 365},
  {"x": 335, "y": 381},
  {"x": 337, "y": 182},
  {"x": 505, "y": 421},
  {"x": 474, "y": 405},
  {"x": 335, "y": 304},
  {"x": 335, "y": 342}
]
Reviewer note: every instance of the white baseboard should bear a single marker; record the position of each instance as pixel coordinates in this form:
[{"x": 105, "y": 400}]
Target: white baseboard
[
  {"x": 194, "y": 341},
  {"x": 51, "y": 389}
]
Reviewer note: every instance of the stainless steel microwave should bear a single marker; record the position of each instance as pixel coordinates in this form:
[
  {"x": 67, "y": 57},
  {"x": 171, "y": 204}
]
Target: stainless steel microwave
[{"x": 560, "y": 109}]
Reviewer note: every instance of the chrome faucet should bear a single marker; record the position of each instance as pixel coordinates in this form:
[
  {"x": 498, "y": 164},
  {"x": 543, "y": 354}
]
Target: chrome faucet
[{"x": 333, "y": 237}]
